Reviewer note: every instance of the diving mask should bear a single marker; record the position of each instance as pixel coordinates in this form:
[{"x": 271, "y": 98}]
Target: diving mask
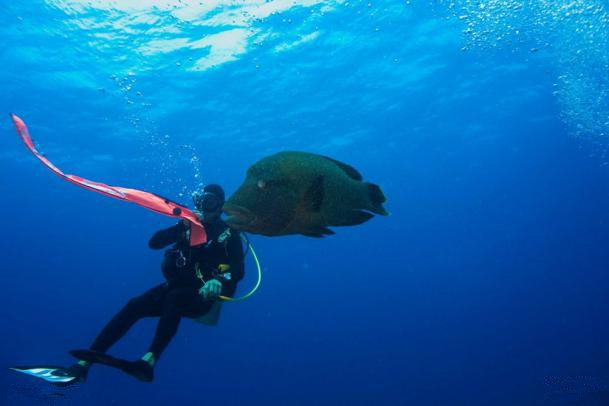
[{"x": 206, "y": 202}]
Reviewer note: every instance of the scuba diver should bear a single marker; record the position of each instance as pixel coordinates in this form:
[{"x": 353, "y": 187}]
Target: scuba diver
[
  {"x": 202, "y": 267},
  {"x": 195, "y": 278}
]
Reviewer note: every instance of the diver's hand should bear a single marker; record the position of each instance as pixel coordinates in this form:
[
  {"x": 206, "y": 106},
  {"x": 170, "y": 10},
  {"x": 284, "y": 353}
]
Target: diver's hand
[
  {"x": 197, "y": 213},
  {"x": 211, "y": 290},
  {"x": 186, "y": 222}
]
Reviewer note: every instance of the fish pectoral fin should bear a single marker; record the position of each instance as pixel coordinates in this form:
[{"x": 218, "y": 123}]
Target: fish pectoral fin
[
  {"x": 348, "y": 169},
  {"x": 327, "y": 231},
  {"x": 314, "y": 196},
  {"x": 310, "y": 234},
  {"x": 318, "y": 232}
]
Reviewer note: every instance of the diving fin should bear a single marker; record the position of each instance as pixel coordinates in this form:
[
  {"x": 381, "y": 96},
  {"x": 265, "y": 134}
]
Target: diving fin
[
  {"x": 56, "y": 375},
  {"x": 139, "y": 369}
]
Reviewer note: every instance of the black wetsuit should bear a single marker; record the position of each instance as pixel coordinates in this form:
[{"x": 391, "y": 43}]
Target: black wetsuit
[{"x": 179, "y": 296}]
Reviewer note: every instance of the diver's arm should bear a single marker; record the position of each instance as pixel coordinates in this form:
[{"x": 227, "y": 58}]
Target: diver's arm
[{"x": 168, "y": 236}]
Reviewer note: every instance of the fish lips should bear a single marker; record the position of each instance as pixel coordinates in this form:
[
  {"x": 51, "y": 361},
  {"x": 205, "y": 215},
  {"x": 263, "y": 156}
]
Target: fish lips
[{"x": 238, "y": 216}]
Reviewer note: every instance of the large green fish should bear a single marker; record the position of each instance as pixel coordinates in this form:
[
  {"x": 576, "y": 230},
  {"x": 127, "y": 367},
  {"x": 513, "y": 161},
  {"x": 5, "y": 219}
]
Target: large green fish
[{"x": 302, "y": 193}]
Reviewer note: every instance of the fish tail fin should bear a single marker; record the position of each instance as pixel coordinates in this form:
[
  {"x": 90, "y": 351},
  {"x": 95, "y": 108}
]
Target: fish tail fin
[{"x": 377, "y": 198}]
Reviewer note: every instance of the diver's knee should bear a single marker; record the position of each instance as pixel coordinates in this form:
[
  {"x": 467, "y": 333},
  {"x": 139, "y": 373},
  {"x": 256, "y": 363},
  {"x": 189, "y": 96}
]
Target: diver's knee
[
  {"x": 133, "y": 306},
  {"x": 172, "y": 298},
  {"x": 172, "y": 302}
]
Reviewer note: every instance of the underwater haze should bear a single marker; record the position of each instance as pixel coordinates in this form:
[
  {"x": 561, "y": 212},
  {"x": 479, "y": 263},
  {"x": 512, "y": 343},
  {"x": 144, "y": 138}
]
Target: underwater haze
[{"x": 486, "y": 124}]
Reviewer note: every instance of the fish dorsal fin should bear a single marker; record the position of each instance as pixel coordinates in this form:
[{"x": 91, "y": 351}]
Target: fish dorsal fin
[
  {"x": 348, "y": 169},
  {"x": 314, "y": 196}
]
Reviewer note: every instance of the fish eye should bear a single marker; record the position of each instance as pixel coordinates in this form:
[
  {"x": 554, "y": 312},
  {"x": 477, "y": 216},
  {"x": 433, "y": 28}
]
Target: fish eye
[{"x": 261, "y": 184}]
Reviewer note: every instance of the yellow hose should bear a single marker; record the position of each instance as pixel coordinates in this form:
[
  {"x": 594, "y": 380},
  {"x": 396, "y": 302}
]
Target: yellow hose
[{"x": 255, "y": 288}]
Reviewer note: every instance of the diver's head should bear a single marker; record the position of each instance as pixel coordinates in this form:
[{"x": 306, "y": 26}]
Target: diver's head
[{"x": 209, "y": 201}]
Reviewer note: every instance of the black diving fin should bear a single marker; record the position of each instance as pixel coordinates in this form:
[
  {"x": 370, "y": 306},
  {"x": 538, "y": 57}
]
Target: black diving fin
[{"x": 139, "y": 369}]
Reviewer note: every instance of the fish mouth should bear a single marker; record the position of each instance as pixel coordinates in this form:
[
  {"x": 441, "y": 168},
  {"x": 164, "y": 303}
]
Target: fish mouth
[{"x": 238, "y": 216}]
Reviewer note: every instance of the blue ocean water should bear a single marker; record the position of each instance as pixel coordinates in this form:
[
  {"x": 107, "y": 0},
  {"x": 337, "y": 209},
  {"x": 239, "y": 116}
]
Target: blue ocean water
[{"x": 486, "y": 123}]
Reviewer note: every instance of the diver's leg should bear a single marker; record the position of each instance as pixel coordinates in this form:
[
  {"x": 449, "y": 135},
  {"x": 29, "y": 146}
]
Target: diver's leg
[
  {"x": 148, "y": 304},
  {"x": 178, "y": 303}
]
